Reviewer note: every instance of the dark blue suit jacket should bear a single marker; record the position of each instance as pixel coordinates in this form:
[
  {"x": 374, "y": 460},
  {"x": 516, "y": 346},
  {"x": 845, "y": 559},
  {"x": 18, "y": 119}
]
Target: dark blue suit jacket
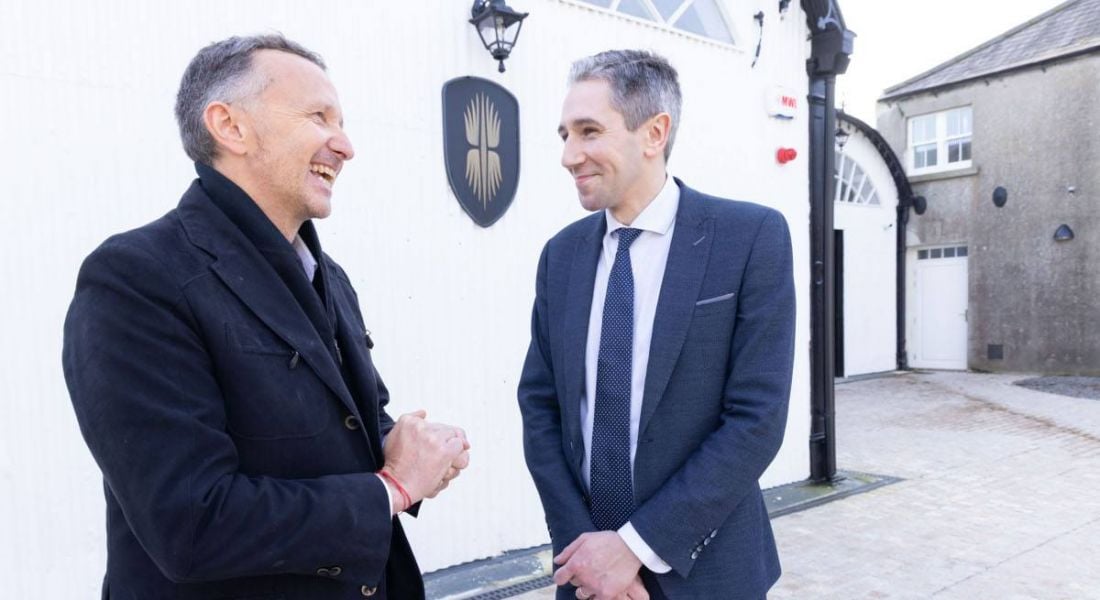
[
  {"x": 237, "y": 459},
  {"x": 715, "y": 401}
]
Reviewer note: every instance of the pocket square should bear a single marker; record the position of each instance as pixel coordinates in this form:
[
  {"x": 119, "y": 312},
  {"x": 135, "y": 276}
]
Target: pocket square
[{"x": 715, "y": 299}]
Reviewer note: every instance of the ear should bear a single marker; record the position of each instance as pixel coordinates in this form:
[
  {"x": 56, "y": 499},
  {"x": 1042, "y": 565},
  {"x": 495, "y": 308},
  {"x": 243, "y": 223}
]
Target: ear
[
  {"x": 226, "y": 126},
  {"x": 656, "y": 134}
]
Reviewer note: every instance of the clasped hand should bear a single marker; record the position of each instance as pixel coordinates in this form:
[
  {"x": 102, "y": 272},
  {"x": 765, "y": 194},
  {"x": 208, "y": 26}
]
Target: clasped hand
[
  {"x": 602, "y": 567},
  {"x": 425, "y": 456}
]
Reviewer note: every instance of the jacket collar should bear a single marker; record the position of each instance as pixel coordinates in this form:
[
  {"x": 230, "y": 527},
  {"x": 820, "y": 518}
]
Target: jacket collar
[{"x": 248, "y": 273}]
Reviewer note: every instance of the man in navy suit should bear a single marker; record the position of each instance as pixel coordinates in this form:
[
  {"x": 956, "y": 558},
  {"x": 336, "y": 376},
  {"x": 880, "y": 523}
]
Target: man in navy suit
[
  {"x": 221, "y": 370},
  {"x": 655, "y": 389}
]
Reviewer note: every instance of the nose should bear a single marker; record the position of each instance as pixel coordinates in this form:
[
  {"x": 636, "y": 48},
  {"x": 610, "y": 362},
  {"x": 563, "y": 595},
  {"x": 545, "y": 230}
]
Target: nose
[
  {"x": 571, "y": 155},
  {"x": 341, "y": 144}
]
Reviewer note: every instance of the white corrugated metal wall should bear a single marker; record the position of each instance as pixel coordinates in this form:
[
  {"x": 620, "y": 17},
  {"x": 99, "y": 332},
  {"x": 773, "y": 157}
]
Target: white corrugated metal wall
[
  {"x": 90, "y": 148},
  {"x": 870, "y": 265}
]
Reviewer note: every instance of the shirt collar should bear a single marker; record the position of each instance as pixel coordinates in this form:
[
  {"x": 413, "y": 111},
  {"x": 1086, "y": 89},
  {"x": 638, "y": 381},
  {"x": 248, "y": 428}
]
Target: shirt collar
[
  {"x": 659, "y": 216},
  {"x": 308, "y": 262}
]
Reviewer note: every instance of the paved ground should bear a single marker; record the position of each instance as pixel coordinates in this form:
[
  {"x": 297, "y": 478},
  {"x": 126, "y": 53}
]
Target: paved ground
[{"x": 1001, "y": 497}]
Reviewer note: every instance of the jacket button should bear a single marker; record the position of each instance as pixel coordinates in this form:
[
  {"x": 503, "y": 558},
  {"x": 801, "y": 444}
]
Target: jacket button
[
  {"x": 706, "y": 541},
  {"x": 323, "y": 572},
  {"x": 368, "y": 591},
  {"x": 694, "y": 555},
  {"x": 714, "y": 533},
  {"x": 351, "y": 422},
  {"x": 294, "y": 360}
]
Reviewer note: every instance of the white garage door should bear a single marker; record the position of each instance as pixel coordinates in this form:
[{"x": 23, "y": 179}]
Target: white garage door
[{"x": 939, "y": 313}]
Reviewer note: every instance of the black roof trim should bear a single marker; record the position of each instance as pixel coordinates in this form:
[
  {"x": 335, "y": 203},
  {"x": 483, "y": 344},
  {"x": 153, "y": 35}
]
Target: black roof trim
[{"x": 893, "y": 163}]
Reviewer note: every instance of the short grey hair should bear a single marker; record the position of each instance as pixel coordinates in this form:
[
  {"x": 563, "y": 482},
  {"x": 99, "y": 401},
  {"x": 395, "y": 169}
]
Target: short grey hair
[
  {"x": 643, "y": 84},
  {"x": 222, "y": 72}
]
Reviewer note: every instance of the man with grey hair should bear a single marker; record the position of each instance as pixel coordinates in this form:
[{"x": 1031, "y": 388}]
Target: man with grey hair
[
  {"x": 221, "y": 370},
  {"x": 655, "y": 389}
]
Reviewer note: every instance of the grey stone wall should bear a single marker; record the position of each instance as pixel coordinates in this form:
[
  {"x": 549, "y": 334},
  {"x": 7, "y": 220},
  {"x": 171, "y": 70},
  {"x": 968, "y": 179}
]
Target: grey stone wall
[{"x": 1037, "y": 134}]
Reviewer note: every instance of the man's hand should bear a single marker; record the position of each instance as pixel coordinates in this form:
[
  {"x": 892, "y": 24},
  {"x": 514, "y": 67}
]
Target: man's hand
[
  {"x": 601, "y": 566},
  {"x": 460, "y": 462},
  {"x": 424, "y": 456}
]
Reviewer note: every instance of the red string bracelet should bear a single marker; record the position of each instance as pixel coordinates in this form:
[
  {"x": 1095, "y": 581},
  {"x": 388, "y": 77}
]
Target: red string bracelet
[{"x": 400, "y": 489}]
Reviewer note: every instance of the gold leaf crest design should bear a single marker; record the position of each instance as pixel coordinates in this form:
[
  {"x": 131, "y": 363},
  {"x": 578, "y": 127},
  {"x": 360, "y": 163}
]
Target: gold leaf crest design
[{"x": 483, "y": 170}]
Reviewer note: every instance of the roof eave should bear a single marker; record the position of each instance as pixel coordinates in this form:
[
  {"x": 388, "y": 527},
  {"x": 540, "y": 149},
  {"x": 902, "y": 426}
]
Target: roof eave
[{"x": 1032, "y": 63}]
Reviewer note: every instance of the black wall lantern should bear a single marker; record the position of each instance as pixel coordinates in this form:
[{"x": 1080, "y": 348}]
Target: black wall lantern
[
  {"x": 498, "y": 26},
  {"x": 1000, "y": 196},
  {"x": 842, "y": 136}
]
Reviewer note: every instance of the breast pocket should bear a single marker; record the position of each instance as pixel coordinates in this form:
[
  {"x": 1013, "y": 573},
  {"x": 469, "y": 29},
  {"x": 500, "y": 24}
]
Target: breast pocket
[{"x": 270, "y": 393}]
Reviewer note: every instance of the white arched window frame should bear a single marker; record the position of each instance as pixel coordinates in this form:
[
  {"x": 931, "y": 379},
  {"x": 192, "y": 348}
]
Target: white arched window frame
[
  {"x": 703, "y": 18},
  {"x": 853, "y": 185}
]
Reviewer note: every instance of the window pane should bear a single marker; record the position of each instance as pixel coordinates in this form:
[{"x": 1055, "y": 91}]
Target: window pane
[
  {"x": 949, "y": 253},
  {"x": 953, "y": 128},
  {"x": 667, "y": 7},
  {"x": 924, "y": 156},
  {"x": 937, "y": 252},
  {"x": 635, "y": 8},
  {"x": 924, "y": 129},
  {"x": 874, "y": 197},
  {"x": 961, "y": 251},
  {"x": 966, "y": 121},
  {"x": 958, "y": 150},
  {"x": 922, "y": 254},
  {"x": 704, "y": 18}
]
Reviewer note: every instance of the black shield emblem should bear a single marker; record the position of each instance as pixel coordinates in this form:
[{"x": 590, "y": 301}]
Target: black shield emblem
[{"x": 481, "y": 146}]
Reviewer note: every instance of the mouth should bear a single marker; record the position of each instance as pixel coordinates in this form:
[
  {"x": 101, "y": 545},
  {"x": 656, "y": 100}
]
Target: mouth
[
  {"x": 323, "y": 172},
  {"x": 581, "y": 179}
]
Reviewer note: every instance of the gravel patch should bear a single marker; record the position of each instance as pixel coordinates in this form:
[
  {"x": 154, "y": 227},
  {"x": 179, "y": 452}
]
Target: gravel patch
[{"x": 1074, "y": 387}]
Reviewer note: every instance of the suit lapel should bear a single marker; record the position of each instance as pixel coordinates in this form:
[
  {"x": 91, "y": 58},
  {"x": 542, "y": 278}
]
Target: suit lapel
[
  {"x": 684, "y": 271},
  {"x": 245, "y": 272},
  {"x": 578, "y": 305}
]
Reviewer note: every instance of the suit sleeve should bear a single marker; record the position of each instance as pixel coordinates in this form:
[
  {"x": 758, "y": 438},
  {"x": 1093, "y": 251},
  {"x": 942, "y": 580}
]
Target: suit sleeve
[
  {"x": 562, "y": 498},
  {"x": 151, "y": 410},
  {"x": 726, "y": 467}
]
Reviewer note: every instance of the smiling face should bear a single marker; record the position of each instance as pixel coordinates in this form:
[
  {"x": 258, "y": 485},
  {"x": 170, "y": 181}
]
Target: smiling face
[
  {"x": 299, "y": 146},
  {"x": 613, "y": 168}
]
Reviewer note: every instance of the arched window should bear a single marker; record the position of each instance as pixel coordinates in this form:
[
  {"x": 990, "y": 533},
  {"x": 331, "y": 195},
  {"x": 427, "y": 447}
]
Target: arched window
[
  {"x": 853, "y": 186},
  {"x": 700, "y": 17}
]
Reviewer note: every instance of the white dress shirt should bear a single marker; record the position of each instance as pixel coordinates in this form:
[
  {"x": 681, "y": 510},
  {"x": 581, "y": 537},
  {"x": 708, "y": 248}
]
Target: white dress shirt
[{"x": 648, "y": 256}]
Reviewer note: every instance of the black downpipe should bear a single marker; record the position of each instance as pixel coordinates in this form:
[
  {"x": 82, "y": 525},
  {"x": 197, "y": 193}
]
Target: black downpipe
[
  {"x": 831, "y": 47},
  {"x": 823, "y": 310},
  {"x": 903, "y": 222}
]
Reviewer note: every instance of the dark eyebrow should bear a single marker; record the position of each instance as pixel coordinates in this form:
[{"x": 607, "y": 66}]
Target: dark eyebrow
[{"x": 579, "y": 123}]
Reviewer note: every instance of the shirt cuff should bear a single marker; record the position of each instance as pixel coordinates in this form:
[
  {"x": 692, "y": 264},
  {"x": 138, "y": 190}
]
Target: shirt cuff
[
  {"x": 389, "y": 495},
  {"x": 642, "y": 550}
]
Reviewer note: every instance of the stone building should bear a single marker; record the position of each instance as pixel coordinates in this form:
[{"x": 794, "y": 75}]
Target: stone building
[{"x": 1003, "y": 143}]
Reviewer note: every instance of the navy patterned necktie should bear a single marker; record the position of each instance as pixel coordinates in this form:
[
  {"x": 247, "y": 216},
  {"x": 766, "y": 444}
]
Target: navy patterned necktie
[{"x": 610, "y": 476}]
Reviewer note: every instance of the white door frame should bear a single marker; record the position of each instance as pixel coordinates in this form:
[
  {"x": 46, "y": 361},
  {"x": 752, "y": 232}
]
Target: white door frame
[{"x": 937, "y": 326}]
